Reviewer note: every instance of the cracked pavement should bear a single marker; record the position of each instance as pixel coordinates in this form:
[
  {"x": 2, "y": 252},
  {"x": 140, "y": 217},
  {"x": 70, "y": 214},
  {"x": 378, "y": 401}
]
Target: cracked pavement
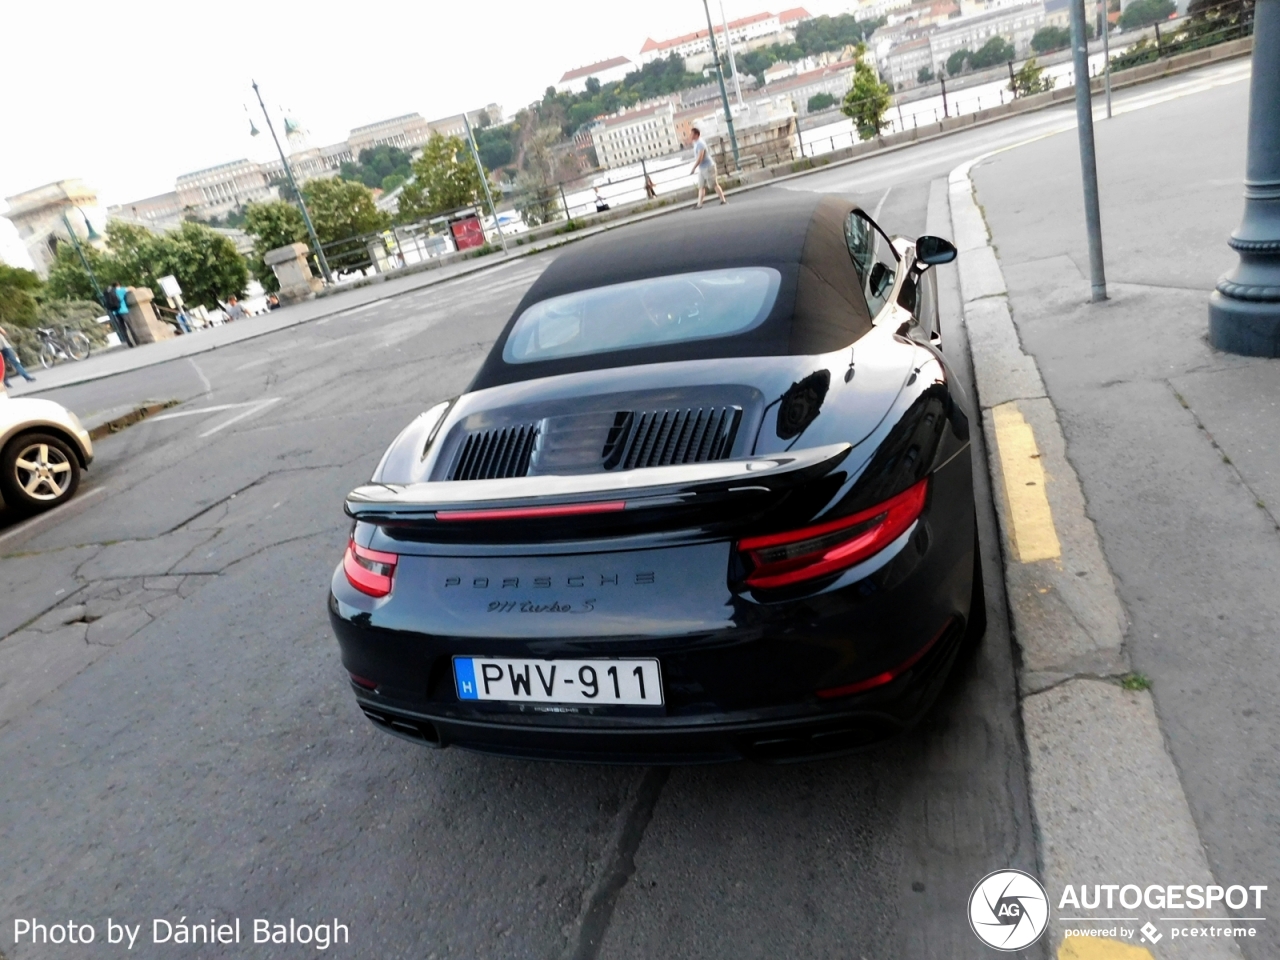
[{"x": 181, "y": 740}]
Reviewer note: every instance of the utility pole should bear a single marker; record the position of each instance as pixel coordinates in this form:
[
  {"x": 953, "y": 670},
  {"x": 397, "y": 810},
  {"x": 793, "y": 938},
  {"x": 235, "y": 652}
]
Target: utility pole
[
  {"x": 1105, "y": 27},
  {"x": 484, "y": 181},
  {"x": 733, "y": 66},
  {"x": 1088, "y": 159},
  {"x": 1244, "y": 310},
  {"x": 724, "y": 95},
  {"x": 288, "y": 172},
  {"x": 943, "y": 81}
]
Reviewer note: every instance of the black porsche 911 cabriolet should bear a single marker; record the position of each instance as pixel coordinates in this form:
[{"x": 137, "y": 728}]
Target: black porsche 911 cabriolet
[{"x": 708, "y": 497}]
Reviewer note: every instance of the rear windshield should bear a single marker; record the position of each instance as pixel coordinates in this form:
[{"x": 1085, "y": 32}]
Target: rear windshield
[{"x": 644, "y": 313}]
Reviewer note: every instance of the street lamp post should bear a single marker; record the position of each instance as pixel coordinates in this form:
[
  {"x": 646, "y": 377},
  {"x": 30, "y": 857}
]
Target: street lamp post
[
  {"x": 475, "y": 155},
  {"x": 733, "y": 66},
  {"x": 724, "y": 94},
  {"x": 1088, "y": 158},
  {"x": 1244, "y": 310},
  {"x": 293, "y": 184},
  {"x": 84, "y": 261}
]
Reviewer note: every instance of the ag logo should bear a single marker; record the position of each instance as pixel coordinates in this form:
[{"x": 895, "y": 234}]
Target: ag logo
[{"x": 1008, "y": 910}]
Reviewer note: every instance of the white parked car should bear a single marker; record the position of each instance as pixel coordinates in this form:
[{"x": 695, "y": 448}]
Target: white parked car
[{"x": 43, "y": 450}]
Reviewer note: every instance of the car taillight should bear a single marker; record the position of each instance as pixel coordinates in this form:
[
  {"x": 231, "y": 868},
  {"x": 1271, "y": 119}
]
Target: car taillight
[
  {"x": 369, "y": 571},
  {"x": 780, "y": 559}
]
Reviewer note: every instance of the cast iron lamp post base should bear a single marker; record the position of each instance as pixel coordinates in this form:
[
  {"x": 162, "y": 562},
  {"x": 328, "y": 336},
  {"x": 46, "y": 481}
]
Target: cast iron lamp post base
[{"x": 1244, "y": 311}]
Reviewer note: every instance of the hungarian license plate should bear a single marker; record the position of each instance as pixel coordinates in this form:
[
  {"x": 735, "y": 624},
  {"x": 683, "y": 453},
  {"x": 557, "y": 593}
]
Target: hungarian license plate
[{"x": 634, "y": 683}]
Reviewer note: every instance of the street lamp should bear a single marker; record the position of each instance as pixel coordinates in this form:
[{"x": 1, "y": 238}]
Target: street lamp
[
  {"x": 288, "y": 172},
  {"x": 724, "y": 94},
  {"x": 1244, "y": 310},
  {"x": 91, "y": 235}
]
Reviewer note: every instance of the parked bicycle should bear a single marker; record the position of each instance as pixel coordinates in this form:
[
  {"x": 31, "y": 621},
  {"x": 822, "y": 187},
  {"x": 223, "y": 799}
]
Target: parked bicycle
[{"x": 68, "y": 345}]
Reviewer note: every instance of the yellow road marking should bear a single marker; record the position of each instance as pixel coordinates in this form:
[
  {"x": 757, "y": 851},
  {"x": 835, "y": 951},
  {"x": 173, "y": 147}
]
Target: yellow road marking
[
  {"x": 1034, "y": 536},
  {"x": 1099, "y": 948}
]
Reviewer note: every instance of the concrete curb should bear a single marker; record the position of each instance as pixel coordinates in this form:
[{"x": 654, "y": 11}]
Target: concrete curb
[{"x": 1106, "y": 797}]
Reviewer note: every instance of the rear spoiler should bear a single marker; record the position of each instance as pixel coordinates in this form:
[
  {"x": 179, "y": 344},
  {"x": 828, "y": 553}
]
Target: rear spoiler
[{"x": 525, "y": 497}]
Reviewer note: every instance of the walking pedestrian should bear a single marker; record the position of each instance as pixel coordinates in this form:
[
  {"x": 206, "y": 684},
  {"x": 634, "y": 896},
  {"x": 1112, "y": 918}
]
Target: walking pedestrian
[
  {"x": 650, "y": 190},
  {"x": 601, "y": 204},
  {"x": 11, "y": 356},
  {"x": 234, "y": 310},
  {"x": 705, "y": 169}
]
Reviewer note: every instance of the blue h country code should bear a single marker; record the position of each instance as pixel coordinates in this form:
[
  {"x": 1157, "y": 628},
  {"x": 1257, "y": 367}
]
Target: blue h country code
[{"x": 591, "y": 682}]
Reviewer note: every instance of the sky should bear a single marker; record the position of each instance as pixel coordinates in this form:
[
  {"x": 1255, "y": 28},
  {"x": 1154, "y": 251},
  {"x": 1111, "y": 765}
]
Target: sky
[{"x": 126, "y": 95}]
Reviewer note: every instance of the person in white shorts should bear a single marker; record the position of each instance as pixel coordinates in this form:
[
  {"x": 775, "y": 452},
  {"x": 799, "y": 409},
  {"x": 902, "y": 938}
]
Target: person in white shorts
[{"x": 705, "y": 168}]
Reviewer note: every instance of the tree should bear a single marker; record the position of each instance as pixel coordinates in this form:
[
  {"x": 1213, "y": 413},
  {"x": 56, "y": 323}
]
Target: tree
[
  {"x": 497, "y": 145},
  {"x": 825, "y": 33},
  {"x": 67, "y": 279},
  {"x": 995, "y": 50},
  {"x": 1143, "y": 13},
  {"x": 537, "y": 198},
  {"x": 18, "y": 289},
  {"x": 375, "y": 165},
  {"x": 955, "y": 62},
  {"x": 444, "y": 179},
  {"x": 867, "y": 100},
  {"x": 924, "y": 76},
  {"x": 820, "y": 101},
  {"x": 344, "y": 215},
  {"x": 205, "y": 263},
  {"x": 1029, "y": 79},
  {"x": 1048, "y": 39},
  {"x": 272, "y": 225}
]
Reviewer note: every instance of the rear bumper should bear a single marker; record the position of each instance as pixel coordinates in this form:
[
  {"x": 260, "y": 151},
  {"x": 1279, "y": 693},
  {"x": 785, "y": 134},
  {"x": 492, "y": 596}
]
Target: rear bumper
[
  {"x": 745, "y": 689},
  {"x": 799, "y": 732}
]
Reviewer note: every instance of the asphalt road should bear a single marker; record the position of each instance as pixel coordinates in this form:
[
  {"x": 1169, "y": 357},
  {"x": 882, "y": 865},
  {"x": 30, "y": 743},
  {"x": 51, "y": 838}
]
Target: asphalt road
[{"x": 180, "y": 741}]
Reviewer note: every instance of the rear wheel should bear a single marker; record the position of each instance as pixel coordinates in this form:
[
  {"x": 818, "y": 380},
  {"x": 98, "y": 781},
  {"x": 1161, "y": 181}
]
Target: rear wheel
[
  {"x": 48, "y": 354},
  {"x": 38, "y": 471},
  {"x": 78, "y": 346}
]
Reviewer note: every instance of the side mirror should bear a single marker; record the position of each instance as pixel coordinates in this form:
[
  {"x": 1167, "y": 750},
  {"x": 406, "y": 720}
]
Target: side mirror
[{"x": 932, "y": 251}]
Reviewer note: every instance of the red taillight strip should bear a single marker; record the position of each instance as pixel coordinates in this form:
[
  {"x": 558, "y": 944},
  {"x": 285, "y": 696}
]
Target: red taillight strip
[
  {"x": 889, "y": 520},
  {"x": 532, "y": 513},
  {"x": 356, "y": 563},
  {"x": 880, "y": 679}
]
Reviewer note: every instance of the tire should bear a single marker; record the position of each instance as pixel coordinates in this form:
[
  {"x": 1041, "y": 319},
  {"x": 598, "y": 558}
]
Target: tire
[
  {"x": 48, "y": 354},
  {"x": 38, "y": 471},
  {"x": 78, "y": 346}
]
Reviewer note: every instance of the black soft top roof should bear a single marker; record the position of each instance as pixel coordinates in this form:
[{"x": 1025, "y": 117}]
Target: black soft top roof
[{"x": 820, "y": 305}]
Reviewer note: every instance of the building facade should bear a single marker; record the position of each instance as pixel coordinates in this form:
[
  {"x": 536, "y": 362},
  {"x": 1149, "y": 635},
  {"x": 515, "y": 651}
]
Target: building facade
[
  {"x": 1015, "y": 24},
  {"x": 606, "y": 71},
  {"x": 760, "y": 29},
  {"x": 215, "y": 190},
  {"x": 901, "y": 68},
  {"x": 635, "y": 135},
  {"x": 159, "y": 212},
  {"x": 834, "y": 79},
  {"x": 407, "y": 133},
  {"x": 38, "y": 217}
]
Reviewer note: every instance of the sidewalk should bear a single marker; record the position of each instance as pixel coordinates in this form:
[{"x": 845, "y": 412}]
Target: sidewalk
[{"x": 1177, "y": 451}]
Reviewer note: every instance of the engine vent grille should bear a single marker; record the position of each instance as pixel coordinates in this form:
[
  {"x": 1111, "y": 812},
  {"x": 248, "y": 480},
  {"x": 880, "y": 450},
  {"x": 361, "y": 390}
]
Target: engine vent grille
[
  {"x": 658, "y": 438},
  {"x": 496, "y": 454}
]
